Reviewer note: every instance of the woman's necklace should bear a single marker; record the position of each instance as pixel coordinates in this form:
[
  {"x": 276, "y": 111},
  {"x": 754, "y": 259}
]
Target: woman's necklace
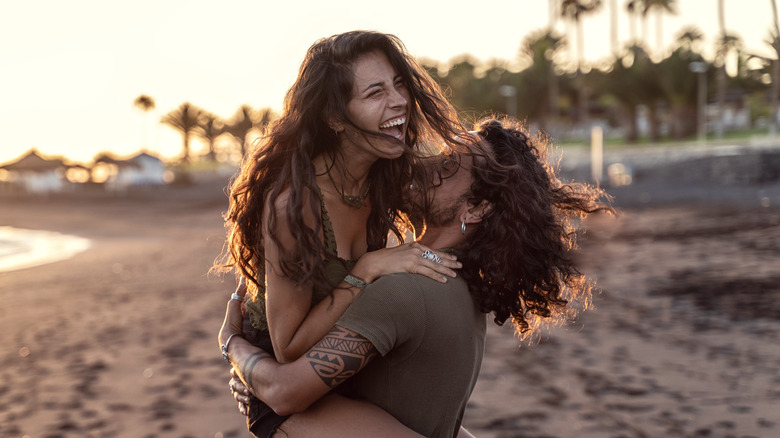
[{"x": 354, "y": 201}]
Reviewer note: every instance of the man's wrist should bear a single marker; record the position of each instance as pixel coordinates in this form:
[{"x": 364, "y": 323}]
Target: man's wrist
[{"x": 224, "y": 347}]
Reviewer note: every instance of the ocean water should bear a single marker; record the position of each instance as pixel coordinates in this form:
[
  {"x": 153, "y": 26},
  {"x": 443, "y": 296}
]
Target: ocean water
[{"x": 22, "y": 248}]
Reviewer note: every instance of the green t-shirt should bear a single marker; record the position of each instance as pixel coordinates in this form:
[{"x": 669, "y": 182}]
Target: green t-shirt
[{"x": 431, "y": 337}]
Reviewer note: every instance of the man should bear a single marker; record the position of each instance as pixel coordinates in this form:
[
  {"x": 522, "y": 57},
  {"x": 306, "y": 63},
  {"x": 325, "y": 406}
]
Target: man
[{"x": 418, "y": 344}]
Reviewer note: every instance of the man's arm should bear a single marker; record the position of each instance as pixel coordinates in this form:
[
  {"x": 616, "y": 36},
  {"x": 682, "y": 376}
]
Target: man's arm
[{"x": 292, "y": 387}]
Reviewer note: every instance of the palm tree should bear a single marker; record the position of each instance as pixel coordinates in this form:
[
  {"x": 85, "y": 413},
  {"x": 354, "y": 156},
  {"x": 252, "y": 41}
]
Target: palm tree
[
  {"x": 679, "y": 84},
  {"x": 240, "y": 125},
  {"x": 540, "y": 47},
  {"x": 185, "y": 120},
  {"x": 621, "y": 85},
  {"x": 720, "y": 65},
  {"x": 689, "y": 37},
  {"x": 725, "y": 44},
  {"x": 574, "y": 10},
  {"x": 632, "y": 7},
  {"x": 660, "y": 7},
  {"x": 643, "y": 8},
  {"x": 613, "y": 26},
  {"x": 774, "y": 41},
  {"x": 638, "y": 11},
  {"x": 145, "y": 104},
  {"x": 244, "y": 121},
  {"x": 210, "y": 127}
]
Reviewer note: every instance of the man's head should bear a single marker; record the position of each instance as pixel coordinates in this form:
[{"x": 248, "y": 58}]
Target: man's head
[
  {"x": 451, "y": 187},
  {"x": 449, "y": 211},
  {"x": 516, "y": 249}
]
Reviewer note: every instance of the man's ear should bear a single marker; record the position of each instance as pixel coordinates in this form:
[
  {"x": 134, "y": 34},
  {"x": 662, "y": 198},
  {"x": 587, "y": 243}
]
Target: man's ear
[{"x": 475, "y": 214}]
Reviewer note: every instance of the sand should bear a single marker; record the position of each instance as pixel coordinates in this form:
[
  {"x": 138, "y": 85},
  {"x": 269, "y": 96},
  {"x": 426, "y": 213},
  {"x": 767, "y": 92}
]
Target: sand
[{"x": 120, "y": 340}]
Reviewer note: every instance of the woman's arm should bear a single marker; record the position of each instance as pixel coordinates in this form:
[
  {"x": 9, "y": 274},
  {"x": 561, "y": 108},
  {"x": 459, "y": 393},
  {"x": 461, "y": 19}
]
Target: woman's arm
[{"x": 294, "y": 325}]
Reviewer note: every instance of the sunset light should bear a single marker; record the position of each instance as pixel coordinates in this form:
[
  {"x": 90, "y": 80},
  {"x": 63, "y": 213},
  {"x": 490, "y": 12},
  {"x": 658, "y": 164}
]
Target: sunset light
[
  {"x": 71, "y": 70},
  {"x": 352, "y": 218}
]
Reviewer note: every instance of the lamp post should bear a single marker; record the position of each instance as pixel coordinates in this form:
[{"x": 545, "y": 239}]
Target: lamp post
[
  {"x": 700, "y": 68},
  {"x": 510, "y": 93}
]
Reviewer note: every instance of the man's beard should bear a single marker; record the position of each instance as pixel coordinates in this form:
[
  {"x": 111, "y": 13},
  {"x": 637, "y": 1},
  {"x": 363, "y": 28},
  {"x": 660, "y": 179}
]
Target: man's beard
[{"x": 446, "y": 215}]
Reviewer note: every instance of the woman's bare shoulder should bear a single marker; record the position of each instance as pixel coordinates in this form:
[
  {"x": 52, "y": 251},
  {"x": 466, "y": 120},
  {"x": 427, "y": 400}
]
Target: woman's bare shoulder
[{"x": 286, "y": 199}]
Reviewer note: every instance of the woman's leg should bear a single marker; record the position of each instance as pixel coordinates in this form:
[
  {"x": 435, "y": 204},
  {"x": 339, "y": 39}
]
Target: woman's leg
[{"x": 340, "y": 417}]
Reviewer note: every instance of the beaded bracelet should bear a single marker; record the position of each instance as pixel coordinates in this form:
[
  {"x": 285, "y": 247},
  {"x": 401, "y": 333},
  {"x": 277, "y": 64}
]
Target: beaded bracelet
[{"x": 354, "y": 281}]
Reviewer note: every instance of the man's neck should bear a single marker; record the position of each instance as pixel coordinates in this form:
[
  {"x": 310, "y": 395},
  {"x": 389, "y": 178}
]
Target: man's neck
[{"x": 442, "y": 237}]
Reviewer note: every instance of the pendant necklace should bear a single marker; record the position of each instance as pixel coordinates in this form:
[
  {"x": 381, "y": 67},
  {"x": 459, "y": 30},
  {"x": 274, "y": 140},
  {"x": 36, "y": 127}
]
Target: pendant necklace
[{"x": 354, "y": 201}]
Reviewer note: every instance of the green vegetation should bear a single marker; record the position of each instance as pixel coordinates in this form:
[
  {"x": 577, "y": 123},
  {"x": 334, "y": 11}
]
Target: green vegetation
[{"x": 655, "y": 87}]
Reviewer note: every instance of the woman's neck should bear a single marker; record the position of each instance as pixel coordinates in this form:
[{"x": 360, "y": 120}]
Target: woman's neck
[{"x": 349, "y": 176}]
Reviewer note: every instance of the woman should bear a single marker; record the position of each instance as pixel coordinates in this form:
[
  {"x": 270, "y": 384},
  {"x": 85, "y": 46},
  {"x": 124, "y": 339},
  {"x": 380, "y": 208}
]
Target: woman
[
  {"x": 517, "y": 264},
  {"x": 317, "y": 199}
]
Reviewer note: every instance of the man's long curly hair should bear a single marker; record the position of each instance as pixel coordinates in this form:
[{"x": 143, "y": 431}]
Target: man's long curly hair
[
  {"x": 282, "y": 160},
  {"x": 518, "y": 262}
]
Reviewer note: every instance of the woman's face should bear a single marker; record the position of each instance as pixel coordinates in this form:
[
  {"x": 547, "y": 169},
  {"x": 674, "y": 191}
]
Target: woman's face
[{"x": 379, "y": 103}]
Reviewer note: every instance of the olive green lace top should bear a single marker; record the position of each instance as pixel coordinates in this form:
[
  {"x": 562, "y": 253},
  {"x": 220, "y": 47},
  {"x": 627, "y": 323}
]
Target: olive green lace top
[{"x": 336, "y": 269}]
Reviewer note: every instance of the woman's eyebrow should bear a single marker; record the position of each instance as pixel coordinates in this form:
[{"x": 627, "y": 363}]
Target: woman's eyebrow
[{"x": 375, "y": 84}]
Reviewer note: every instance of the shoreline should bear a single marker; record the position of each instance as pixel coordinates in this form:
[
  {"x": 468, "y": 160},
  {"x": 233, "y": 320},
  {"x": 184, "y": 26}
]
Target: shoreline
[{"x": 22, "y": 248}]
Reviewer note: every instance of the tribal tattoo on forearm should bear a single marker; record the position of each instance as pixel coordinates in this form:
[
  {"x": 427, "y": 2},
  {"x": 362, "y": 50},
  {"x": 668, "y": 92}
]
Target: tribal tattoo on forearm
[
  {"x": 247, "y": 367},
  {"x": 340, "y": 355}
]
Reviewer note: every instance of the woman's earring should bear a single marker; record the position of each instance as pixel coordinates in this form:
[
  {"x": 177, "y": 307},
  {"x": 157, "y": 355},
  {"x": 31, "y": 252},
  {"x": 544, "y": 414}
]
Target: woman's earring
[{"x": 463, "y": 227}]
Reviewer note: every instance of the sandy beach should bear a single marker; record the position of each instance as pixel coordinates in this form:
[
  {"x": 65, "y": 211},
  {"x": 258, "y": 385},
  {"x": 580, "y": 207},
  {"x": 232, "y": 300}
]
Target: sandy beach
[{"x": 120, "y": 340}]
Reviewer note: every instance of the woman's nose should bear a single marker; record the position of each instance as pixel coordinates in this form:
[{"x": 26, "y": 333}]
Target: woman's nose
[{"x": 397, "y": 99}]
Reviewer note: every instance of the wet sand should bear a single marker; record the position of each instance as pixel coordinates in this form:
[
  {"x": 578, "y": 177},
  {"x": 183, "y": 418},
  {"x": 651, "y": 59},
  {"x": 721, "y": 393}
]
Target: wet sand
[{"x": 120, "y": 340}]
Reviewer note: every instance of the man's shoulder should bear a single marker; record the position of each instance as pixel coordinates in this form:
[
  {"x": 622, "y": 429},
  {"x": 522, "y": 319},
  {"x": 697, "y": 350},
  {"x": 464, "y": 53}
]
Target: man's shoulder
[
  {"x": 407, "y": 284},
  {"x": 416, "y": 280}
]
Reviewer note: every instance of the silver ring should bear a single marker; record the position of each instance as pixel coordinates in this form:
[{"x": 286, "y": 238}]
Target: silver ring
[{"x": 428, "y": 254}]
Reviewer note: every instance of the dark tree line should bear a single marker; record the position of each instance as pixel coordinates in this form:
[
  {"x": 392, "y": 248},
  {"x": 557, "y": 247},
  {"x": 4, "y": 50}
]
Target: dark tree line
[{"x": 191, "y": 120}]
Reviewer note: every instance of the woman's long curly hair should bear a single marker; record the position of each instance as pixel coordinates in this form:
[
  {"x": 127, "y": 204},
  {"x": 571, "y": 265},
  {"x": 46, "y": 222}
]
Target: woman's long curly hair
[
  {"x": 282, "y": 160},
  {"x": 518, "y": 262}
]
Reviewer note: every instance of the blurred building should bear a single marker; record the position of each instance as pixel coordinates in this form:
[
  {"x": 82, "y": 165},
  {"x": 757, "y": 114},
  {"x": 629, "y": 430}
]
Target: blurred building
[
  {"x": 140, "y": 170},
  {"x": 32, "y": 173}
]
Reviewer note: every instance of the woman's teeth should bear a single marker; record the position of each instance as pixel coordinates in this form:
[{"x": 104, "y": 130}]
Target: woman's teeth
[{"x": 396, "y": 122}]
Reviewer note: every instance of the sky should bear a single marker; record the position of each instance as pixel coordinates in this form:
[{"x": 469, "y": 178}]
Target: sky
[{"x": 70, "y": 70}]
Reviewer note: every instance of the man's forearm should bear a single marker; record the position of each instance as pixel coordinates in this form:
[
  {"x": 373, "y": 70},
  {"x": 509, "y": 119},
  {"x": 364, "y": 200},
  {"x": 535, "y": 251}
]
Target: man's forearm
[
  {"x": 247, "y": 358},
  {"x": 263, "y": 375},
  {"x": 293, "y": 387}
]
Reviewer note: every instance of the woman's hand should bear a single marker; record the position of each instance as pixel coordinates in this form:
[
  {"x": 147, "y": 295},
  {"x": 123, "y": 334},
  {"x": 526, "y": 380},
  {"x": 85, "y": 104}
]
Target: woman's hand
[
  {"x": 408, "y": 257},
  {"x": 240, "y": 391},
  {"x": 234, "y": 318}
]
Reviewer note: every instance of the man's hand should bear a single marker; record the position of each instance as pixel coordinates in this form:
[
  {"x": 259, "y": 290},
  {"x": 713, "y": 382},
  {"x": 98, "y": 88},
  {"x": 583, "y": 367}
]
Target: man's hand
[{"x": 240, "y": 391}]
